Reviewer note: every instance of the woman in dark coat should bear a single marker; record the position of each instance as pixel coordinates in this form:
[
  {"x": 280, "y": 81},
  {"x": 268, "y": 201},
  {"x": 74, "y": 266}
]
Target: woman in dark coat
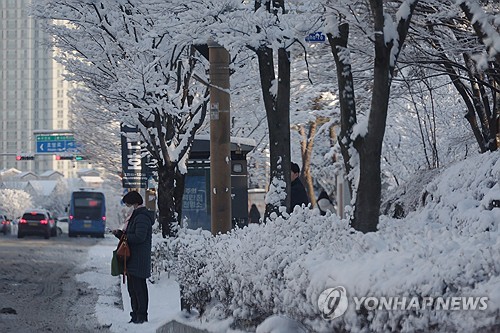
[
  {"x": 254, "y": 214},
  {"x": 298, "y": 194},
  {"x": 139, "y": 232}
]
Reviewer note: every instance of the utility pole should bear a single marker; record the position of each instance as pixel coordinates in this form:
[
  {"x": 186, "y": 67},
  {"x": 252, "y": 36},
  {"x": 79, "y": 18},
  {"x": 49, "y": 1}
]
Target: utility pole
[{"x": 220, "y": 147}]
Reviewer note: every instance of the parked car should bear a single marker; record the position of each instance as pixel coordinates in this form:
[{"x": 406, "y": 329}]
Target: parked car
[
  {"x": 62, "y": 225},
  {"x": 6, "y": 225},
  {"x": 37, "y": 222}
]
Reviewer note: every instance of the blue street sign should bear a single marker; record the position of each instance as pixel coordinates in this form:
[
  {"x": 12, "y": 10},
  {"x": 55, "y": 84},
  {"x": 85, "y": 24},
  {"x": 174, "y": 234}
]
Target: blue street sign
[
  {"x": 316, "y": 37},
  {"x": 49, "y": 144},
  {"x": 50, "y": 147}
]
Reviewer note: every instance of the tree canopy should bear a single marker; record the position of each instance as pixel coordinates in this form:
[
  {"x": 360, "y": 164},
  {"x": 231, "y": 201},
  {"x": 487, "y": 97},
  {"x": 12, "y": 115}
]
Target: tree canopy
[{"x": 375, "y": 92}]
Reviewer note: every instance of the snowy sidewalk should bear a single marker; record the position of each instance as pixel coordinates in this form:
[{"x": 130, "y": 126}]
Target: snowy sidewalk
[{"x": 164, "y": 299}]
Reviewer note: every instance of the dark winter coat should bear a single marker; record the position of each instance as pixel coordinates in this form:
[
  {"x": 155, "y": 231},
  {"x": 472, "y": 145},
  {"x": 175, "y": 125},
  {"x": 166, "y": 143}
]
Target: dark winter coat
[
  {"x": 254, "y": 214},
  {"x": 298, "y": 194},
  {"x": 139, "y": 234},
  {"x": 324, "y": 203}
]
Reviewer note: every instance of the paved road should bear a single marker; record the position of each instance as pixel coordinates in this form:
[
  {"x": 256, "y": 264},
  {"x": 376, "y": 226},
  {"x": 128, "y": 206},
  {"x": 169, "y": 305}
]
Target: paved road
[{"x": 38, "y": 289}]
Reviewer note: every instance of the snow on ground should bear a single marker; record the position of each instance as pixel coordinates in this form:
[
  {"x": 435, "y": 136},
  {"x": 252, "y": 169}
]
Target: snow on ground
[
  {"x": 113, "y": 305},
  {"x": 164, "y": 300},
  {"x": 449, "y": 247}
]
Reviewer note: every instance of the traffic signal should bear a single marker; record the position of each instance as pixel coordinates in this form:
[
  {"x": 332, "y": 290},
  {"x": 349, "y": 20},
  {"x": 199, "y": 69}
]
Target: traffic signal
[
  {"x": 80, "y": 158},
  {"x": 25, "y": 157},
  {"x": 64, "y": 157}
]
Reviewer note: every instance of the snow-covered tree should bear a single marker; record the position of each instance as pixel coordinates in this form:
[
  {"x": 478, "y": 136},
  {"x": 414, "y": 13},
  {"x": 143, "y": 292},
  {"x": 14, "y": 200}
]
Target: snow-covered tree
[
  {"x": 58, "y": 201},
  {"x": 276, "y": 95},
  {"x": 98, "y": 129},
  {"x": 270, "y": 30},
  {"x": 132, "y": 58},
  {"x": 459, "y": 42},
  {"x": 361, "y": 139},
  {"x": 14, "y": 202},
  {"x": 124, "y": 57}
]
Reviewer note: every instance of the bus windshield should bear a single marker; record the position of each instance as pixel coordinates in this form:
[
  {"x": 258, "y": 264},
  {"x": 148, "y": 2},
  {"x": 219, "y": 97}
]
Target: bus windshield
[{"x": 88, "y": 206}]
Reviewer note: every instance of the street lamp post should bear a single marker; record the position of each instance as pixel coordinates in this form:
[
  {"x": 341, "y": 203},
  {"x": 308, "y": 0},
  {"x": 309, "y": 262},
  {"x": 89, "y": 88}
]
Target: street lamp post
[{"x": 220, "y": 149}]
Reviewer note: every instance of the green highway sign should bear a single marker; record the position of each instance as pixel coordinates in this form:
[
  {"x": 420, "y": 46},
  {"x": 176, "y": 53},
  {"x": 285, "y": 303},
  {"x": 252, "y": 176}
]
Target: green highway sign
[{"x": 55, "y": 137}]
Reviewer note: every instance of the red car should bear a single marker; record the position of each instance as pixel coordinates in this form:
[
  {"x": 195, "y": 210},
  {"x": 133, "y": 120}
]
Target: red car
[{"x": 6, "y": 224}]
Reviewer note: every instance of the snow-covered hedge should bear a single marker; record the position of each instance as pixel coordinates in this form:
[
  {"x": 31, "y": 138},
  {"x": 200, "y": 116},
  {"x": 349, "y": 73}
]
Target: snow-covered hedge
[{"x": 449, "y": 247}]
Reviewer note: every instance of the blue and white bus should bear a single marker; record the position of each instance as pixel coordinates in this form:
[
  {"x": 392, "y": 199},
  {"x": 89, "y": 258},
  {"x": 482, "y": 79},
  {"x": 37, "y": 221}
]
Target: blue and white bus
[{"x": 87, "y": 214}]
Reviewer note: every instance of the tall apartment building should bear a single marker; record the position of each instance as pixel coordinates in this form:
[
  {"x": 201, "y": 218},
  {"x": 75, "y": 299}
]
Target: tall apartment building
[{"x": 33, "y": 94}]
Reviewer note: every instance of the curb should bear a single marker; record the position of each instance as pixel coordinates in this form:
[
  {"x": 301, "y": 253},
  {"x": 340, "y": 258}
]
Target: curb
[{"x": 176, "y": 327}]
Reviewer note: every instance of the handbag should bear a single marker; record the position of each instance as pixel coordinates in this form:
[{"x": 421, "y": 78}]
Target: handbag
[
  {"x": 116, "y": 265},
  {"x": 122, "y": 250},
  {"x": 123, "y": 253}
]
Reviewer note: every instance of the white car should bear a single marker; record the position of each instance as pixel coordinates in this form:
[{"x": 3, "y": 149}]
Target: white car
[{"x": 62, "y": 225}]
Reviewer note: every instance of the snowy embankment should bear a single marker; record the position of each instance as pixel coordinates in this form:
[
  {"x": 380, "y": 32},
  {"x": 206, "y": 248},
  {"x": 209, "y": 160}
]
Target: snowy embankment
[{"x": 449, "y": 247}]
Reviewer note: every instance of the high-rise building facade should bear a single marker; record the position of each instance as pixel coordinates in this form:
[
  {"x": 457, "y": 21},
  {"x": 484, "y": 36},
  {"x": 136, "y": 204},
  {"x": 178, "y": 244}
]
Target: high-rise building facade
[{"x": 33, "y": 93}]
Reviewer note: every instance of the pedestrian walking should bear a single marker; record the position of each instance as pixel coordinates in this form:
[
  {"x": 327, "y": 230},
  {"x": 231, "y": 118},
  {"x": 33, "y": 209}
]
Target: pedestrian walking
[
  {"x": 254, "y": 214},
  {"x": 298, "y": 194}
]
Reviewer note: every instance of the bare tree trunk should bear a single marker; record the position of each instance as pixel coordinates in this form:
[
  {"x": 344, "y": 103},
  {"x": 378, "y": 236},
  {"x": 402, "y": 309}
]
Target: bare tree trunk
[
  {"x": 306, "y": 148},
  {"x": 166, "y": 200},
  {"x": 369, "y": 147},
  {"x": 180, "y": 182},
  {"x": 338, "y": 45},
  {"x": 278, "y": 119},
  {"x": 277, "y": 111},
  {"x": 368, "y": 194}
]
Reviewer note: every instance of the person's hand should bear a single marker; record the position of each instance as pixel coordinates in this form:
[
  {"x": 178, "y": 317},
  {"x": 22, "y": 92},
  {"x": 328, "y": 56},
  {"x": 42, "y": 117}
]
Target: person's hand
[{"x": 117, "y": 232}]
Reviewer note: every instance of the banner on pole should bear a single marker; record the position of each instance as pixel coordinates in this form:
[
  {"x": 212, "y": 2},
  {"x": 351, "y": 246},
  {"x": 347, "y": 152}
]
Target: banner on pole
[{"x": 135, "y": 170}]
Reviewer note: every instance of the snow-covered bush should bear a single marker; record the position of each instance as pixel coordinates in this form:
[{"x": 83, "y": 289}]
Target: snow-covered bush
[
  {"x": 400, "y": 201},
  {"x": 447, "y": 248},
  {"x": 14, "y": 202},
  {"x": 185, "y": 257}
]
